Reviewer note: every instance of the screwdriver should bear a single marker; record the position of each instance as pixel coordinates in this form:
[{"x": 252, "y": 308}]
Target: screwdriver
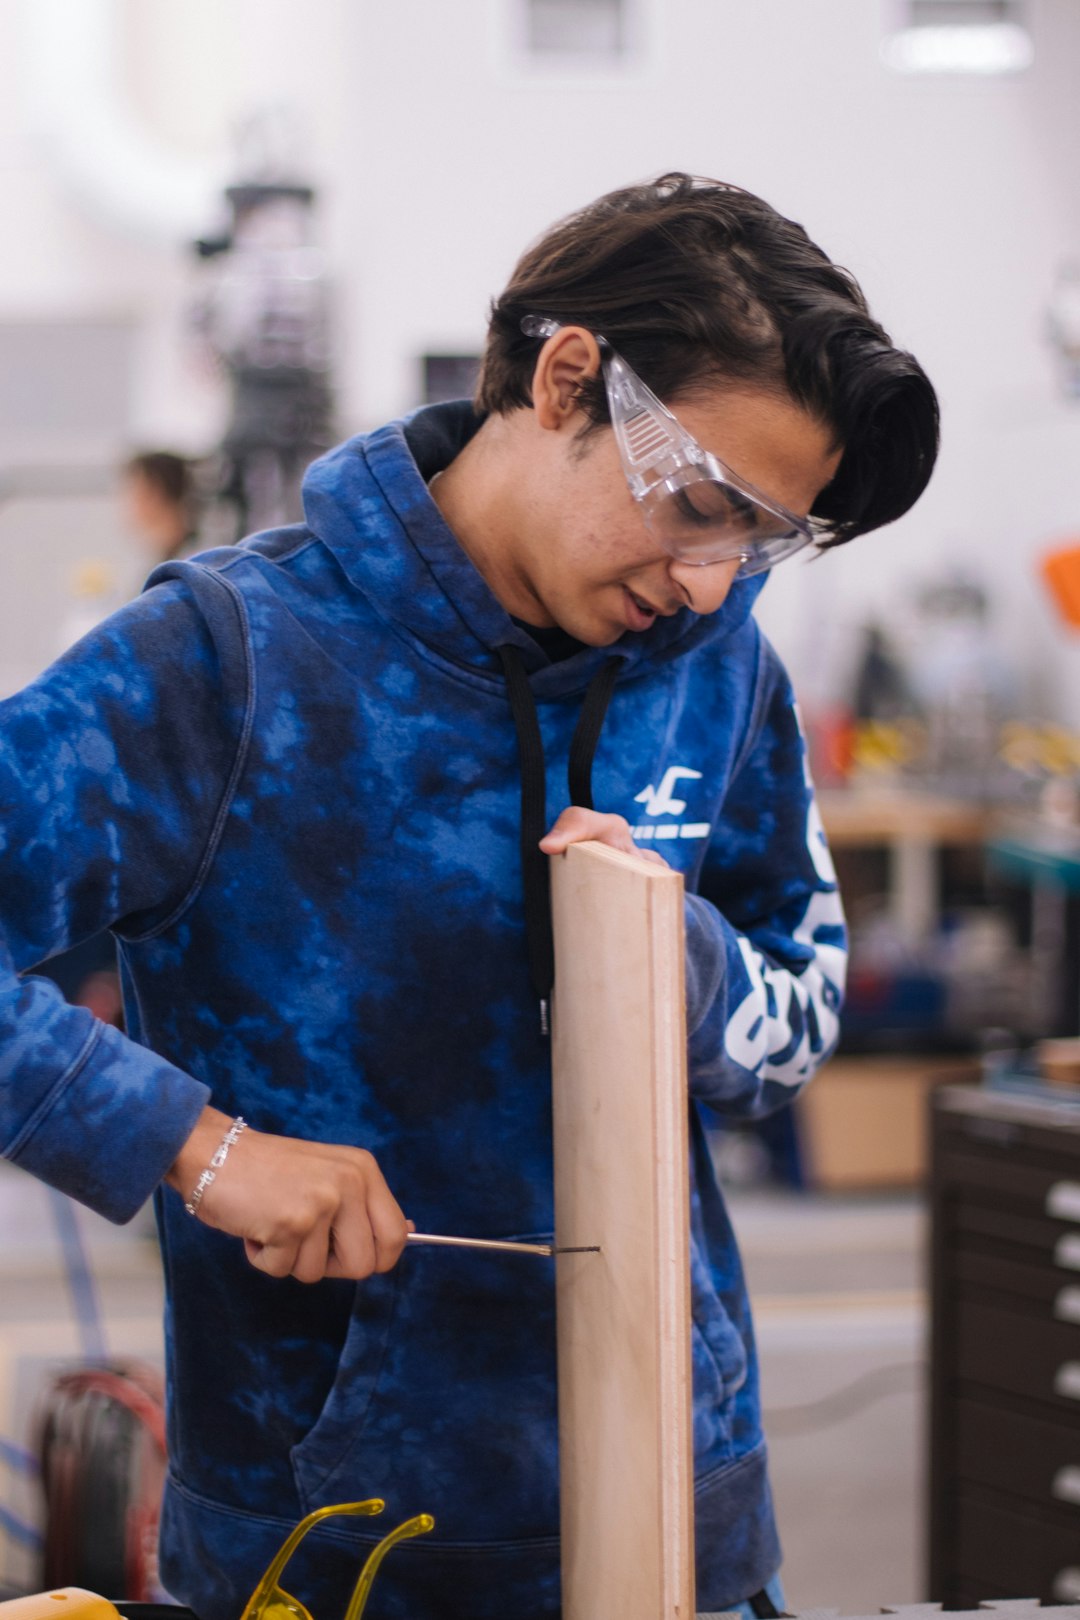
[{"x": 501, "y": 1246}]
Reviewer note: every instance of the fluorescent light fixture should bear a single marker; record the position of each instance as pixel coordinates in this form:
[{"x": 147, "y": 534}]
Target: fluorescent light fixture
[
  {"x": 960, "y": 48},
  {"x": 956, "y": 36}
]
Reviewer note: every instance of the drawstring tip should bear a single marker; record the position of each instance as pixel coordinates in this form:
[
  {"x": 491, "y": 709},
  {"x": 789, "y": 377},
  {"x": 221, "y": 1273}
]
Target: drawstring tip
[{"x": 545, "y": 1028}]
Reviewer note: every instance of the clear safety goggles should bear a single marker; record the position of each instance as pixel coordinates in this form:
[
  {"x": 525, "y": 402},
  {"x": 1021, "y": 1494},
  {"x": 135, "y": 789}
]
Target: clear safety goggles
[{"x": 696, "y": 506}]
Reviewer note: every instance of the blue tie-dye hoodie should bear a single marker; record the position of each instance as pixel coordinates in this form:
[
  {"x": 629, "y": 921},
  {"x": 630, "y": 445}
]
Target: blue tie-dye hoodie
[{"x": 286, "y": 777}]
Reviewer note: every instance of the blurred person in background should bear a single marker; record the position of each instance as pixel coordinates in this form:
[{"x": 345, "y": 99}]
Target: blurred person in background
[
  {"x": 302, "y": 780},
  {"x": 159, "y": 503}
]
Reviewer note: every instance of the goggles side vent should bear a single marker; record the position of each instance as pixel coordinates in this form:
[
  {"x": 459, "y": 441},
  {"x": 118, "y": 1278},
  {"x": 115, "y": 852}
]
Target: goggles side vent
[{"x": 645, "y": 436}]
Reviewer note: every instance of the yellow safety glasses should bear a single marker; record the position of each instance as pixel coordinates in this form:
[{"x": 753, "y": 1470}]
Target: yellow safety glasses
[{"x": 269, "y": 1601}]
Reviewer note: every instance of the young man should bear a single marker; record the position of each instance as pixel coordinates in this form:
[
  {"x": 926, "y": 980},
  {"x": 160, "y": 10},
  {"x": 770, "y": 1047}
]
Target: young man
[{"x": 288, "y": 779}]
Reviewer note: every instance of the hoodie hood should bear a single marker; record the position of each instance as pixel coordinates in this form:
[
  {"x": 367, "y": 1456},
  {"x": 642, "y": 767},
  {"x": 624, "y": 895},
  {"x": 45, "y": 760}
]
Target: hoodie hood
[{"x": 368, "y": 502}]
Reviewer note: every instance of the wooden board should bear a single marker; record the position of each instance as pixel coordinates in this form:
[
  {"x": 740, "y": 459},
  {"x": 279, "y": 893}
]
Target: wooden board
[{"x": 621, "y": 1180}]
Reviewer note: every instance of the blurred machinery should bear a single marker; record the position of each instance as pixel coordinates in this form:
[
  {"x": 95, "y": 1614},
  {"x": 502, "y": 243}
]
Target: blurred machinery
[
  {"x": 1063, "y": 326},
  {"x": 265, "y": 315},
  {"x": 102, "y": 1456}
]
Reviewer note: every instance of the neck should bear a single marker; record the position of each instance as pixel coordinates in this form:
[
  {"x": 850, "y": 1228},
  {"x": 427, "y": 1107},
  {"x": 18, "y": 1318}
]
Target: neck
[{"x": 479, "y": 498}]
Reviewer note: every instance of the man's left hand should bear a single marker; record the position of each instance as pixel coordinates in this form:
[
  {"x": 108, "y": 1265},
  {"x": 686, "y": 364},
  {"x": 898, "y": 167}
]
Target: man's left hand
[{"x": 578, "y": 826}]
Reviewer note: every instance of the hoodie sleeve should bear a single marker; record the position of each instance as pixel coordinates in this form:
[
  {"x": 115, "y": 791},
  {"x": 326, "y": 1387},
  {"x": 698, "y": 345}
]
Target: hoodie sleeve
[
  {"x": 116, "y": 768},
  {"x": 766, "y": 941}
]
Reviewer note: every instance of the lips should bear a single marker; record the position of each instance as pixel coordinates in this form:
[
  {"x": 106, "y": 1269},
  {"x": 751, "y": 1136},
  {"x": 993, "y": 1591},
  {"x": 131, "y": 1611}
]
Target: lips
[{"x": 640, "y": 614}]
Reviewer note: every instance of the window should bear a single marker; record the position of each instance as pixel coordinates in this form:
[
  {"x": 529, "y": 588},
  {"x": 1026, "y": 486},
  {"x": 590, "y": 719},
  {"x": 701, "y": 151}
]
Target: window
[
  {"x": 575, "y": 40},
  {"x": 449, "y": 376},
  {"x": 595, "y": 30}
]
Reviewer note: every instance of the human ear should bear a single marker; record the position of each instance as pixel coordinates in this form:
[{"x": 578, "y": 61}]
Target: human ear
[{"x": 568, "y": 359}]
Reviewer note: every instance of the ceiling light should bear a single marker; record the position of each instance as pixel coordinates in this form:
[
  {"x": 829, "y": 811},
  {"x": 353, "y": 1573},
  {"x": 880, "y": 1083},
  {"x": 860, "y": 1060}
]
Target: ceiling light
[
  {"x": 957, "y": 36},
  {"x": 994, "y": 48}
]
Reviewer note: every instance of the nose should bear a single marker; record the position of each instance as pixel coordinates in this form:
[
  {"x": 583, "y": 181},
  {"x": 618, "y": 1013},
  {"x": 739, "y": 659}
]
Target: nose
[{"x": 705, "y": 588}]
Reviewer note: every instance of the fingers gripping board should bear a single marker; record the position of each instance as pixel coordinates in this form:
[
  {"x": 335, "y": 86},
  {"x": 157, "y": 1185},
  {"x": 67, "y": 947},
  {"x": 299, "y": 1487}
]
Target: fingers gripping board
[{"x": 621, "y": 1181}]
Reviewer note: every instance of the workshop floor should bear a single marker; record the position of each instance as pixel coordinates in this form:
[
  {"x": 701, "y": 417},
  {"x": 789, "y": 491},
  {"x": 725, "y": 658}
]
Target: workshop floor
[
  {"x": 841, "y": 1324},
  {"x": 840, "y": 1316}
]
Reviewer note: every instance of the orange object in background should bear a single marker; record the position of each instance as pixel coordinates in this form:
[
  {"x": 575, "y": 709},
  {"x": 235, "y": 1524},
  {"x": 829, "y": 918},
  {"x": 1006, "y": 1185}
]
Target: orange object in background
[
  {"x": 1061, "y": 571},
  {"x": 63, "y": 1603}
]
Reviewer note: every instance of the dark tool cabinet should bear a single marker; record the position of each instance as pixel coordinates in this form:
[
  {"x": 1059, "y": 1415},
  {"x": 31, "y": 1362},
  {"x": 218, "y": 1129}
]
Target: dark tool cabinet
[{"x": 1005, "y": 1347}]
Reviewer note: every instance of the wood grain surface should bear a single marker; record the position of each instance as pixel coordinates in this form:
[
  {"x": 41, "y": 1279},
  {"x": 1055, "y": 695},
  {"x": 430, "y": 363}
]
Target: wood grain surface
[{"x": 621, "y": 1180}]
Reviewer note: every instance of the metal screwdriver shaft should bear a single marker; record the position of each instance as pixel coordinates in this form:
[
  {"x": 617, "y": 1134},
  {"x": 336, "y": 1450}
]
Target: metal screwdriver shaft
[{"x": 498, "y": 1244}]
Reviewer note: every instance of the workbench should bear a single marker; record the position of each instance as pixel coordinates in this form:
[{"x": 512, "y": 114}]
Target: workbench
[{"x": 913, "y": 826}]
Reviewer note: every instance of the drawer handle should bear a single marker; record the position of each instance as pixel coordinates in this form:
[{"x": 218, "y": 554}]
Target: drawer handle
[
  {"x": 1066, "y": 1486},
  {"x": 1066, "y": 1585},
  {"x": 1067, "y": 1251},
  {"x": 1067, "y": 1380},
  {"x": 1067, "y": 1305},
  {"x": 1063, "y": 1200}
]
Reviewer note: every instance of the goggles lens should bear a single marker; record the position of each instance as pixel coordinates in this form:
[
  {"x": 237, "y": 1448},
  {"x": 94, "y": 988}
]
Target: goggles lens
[
  {"x": 698, "y": 508},
  {"x": 702, "y": 517}
]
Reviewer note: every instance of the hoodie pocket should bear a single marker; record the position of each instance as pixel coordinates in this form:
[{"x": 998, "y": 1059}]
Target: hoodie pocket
[
  {"x": 444, "y": 1401},
  {"x": 719, "y": 1364},
  {"x": 353, "y": 1387}
]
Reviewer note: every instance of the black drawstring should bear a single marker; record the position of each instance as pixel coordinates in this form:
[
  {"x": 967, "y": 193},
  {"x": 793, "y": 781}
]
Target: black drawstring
[
  {"x": 534, "y": 867},
  {"x": 587, "y": 733}
]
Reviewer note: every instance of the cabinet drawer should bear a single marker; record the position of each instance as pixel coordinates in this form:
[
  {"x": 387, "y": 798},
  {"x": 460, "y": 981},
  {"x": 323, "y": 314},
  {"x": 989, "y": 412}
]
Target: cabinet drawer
[
  {"x": 1001, "y": 1551},
  {"x": 964, "y": 1597},
  {"x": 1048, "y": 1188},
  {"x": 1046, "y": 1291},
  {"x": 1045, "y": 1241},
  {"x": 1026, "y": 1355},
  {"x": 1023, "y": 1456}
]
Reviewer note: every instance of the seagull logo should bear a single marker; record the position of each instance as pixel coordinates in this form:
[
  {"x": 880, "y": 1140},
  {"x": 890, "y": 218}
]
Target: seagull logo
[{"x": 661, "y": 801}]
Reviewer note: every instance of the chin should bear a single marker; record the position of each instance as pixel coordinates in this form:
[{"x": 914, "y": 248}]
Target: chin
[
  {"x": 592, "y": 630},
  {"x": 599, "y": 638}
]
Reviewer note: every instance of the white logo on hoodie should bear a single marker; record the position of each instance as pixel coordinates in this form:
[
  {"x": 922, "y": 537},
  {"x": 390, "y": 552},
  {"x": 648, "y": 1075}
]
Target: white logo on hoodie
[
  {"x": 658, "y": 801},
  {"x": 661, "y": 801}
]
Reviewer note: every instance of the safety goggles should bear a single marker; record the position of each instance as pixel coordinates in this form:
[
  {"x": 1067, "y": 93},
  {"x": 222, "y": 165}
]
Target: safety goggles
[
  {"x": 696, "y": 506},
  {"x": 270, "y": 1601}
]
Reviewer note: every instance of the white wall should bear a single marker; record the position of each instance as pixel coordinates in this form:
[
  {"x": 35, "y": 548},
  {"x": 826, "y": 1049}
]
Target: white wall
[{"x": 440, "y": 155}]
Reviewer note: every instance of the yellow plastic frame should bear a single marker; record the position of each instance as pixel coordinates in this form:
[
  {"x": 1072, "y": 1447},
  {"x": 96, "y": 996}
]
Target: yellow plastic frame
[{"x": 270, "y": 1601}]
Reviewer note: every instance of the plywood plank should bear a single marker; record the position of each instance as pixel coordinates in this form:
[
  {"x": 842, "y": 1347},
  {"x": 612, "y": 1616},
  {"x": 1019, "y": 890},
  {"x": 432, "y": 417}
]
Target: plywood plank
[{"x": 621, "y": 1180}]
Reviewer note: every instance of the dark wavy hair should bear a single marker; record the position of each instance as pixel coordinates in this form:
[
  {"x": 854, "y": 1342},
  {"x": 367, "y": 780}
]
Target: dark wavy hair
[
  {"x": 696, "y": 283},
  {"x": 171, "y": 475}
]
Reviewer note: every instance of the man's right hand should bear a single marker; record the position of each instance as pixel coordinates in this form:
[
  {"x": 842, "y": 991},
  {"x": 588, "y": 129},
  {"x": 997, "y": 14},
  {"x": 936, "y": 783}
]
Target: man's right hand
[{"x": 307, "y": 1210}]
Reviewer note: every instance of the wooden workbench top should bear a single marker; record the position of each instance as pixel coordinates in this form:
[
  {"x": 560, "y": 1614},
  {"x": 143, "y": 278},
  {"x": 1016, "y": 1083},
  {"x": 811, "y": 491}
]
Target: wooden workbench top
[{"x": 860, "y": 816}]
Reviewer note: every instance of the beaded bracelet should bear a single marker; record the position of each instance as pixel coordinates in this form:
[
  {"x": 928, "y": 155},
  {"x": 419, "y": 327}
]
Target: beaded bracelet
[{"x": 230, "y": 1139}]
